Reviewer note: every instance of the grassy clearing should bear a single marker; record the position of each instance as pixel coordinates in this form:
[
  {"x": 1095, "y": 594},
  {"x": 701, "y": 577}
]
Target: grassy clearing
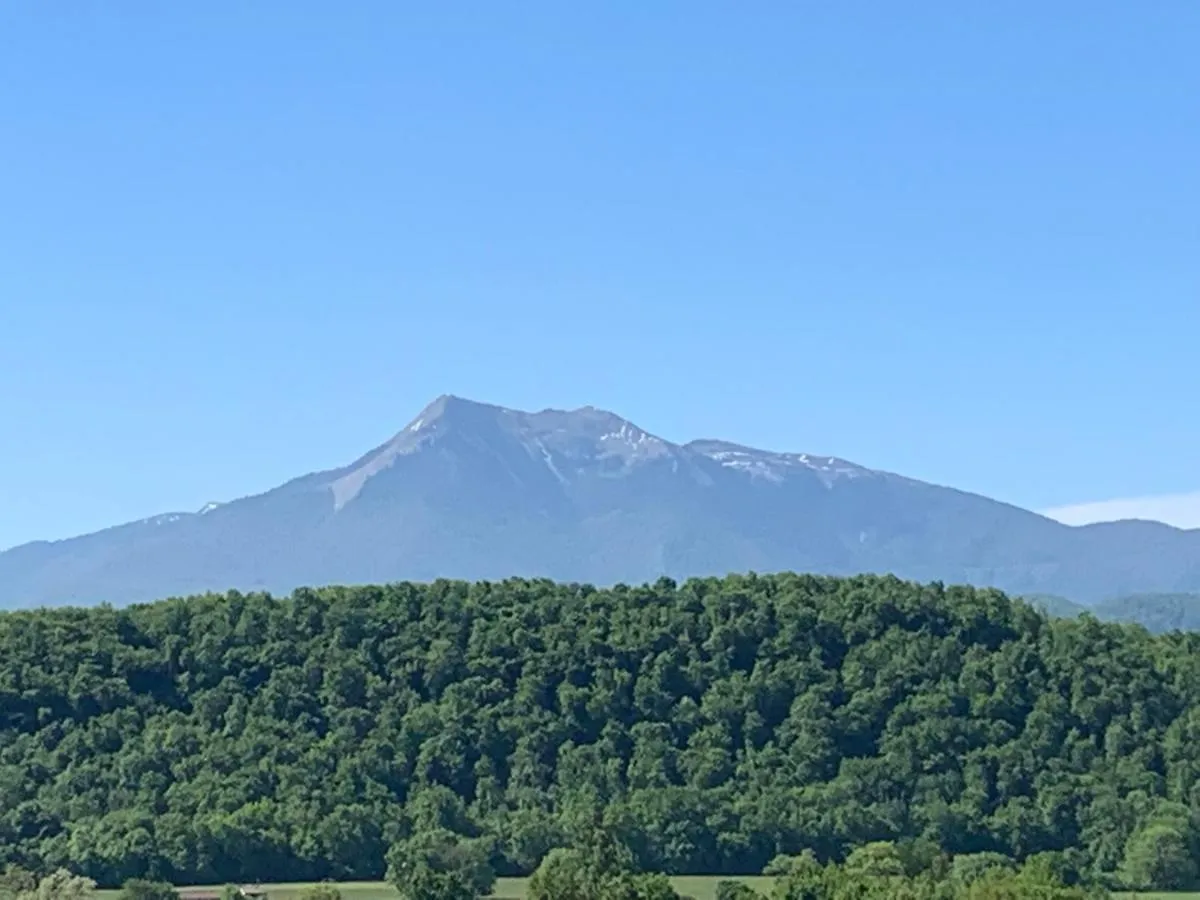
[
  {"x": 702, "y": 888},
  {"x": 699, "y": 887}
]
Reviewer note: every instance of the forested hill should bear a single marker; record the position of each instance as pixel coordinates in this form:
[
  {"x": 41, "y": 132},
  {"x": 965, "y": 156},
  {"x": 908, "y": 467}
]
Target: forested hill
[{"x": 712, "y": 725}]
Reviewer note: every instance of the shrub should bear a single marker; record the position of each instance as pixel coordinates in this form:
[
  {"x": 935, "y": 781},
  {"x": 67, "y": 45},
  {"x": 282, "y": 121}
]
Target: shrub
[
  {"x": 735, "y": 890},
  {"x": 141, "y": 889}
]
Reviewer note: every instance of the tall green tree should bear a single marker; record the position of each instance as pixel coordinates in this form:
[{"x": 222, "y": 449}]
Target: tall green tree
[{"x": 1158, "y": 858}]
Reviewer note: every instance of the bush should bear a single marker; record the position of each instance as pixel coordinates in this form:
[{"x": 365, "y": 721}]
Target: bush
[
  {"x": 735, "y": 890},
  {"x": 15, "y": 881},
  {"x": 573, "y": 874},
  {"x": 967, "y": 868},
  {"x": 441, "y": 865},
  {"x": 63, "y": 885},
  {"x": 562, "y": 875},
  {"x": 141, "y": 889}
]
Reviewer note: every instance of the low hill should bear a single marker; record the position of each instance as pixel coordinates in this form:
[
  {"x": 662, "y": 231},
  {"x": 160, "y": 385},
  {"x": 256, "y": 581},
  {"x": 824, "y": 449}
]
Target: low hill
[
  {"x": 711, "y": 725},
  {"x": 1053, "y": 605},
  {"x": 1158, "y": 613},
  {"x": 472, "y": 491}
]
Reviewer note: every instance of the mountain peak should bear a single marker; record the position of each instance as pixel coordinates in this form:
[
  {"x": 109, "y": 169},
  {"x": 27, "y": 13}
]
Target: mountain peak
[
  {"x": 445, "y": 412},
  {"x": 576, "y": 438},
  {"x": 587, "y": 422},
  {"x": 451, "y": 408}
]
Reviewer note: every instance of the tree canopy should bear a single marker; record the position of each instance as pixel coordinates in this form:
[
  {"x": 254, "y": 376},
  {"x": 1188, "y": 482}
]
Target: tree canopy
[{"x": 710, "y": 726}]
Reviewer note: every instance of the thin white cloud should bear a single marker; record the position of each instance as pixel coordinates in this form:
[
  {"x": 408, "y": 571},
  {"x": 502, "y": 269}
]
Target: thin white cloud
[{"x": 1180, "y": 510}]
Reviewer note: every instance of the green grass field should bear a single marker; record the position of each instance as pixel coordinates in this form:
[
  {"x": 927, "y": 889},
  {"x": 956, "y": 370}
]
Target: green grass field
[
  {"x": 699, "y": 887},
  {"x": 506, "y": 889}
]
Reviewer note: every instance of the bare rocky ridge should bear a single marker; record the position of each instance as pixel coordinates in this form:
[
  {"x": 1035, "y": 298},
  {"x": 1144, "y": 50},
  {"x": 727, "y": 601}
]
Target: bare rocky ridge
[{"x": 468, "y": 490}]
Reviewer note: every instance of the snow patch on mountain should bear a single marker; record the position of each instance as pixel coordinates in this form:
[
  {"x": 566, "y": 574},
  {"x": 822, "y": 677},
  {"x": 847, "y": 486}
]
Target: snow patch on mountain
[{"x": 776, "y": 467}]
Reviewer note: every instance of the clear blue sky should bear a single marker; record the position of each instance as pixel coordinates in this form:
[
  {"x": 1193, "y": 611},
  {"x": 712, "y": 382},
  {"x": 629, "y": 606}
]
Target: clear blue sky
[{"x": 243, "y": 241}]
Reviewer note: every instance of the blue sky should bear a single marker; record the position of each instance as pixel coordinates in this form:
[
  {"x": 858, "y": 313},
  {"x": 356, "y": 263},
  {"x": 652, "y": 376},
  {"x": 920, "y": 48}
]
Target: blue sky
[{"x": 245, "y": 241}]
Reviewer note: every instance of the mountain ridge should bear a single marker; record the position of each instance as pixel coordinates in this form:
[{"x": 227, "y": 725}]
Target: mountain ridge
[{"x": 478, "y": 491}]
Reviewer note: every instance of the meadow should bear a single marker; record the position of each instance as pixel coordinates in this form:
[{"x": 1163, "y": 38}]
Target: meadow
[{"x": 697, "y": 887}]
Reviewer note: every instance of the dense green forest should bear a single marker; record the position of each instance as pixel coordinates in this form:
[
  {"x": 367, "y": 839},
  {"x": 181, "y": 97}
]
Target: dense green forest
[{"x": 709, "y": 727}]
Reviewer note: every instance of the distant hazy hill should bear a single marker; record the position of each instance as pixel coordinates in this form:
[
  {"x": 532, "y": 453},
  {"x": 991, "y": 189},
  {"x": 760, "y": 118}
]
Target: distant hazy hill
[
  {"x": 1157, "y": 612},
  {"x": 479, "y": 492},
  {"x": 1053, "y": 605}
]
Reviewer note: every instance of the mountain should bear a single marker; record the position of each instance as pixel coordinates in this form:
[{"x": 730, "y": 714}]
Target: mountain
[{"x": 477, "y": 492}]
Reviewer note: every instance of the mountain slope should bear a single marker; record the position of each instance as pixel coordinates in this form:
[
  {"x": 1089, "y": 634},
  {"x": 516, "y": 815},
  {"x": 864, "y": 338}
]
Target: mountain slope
[
  {"x": 1159, "y": 613},
  {"x": 474, "y": 491}
]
